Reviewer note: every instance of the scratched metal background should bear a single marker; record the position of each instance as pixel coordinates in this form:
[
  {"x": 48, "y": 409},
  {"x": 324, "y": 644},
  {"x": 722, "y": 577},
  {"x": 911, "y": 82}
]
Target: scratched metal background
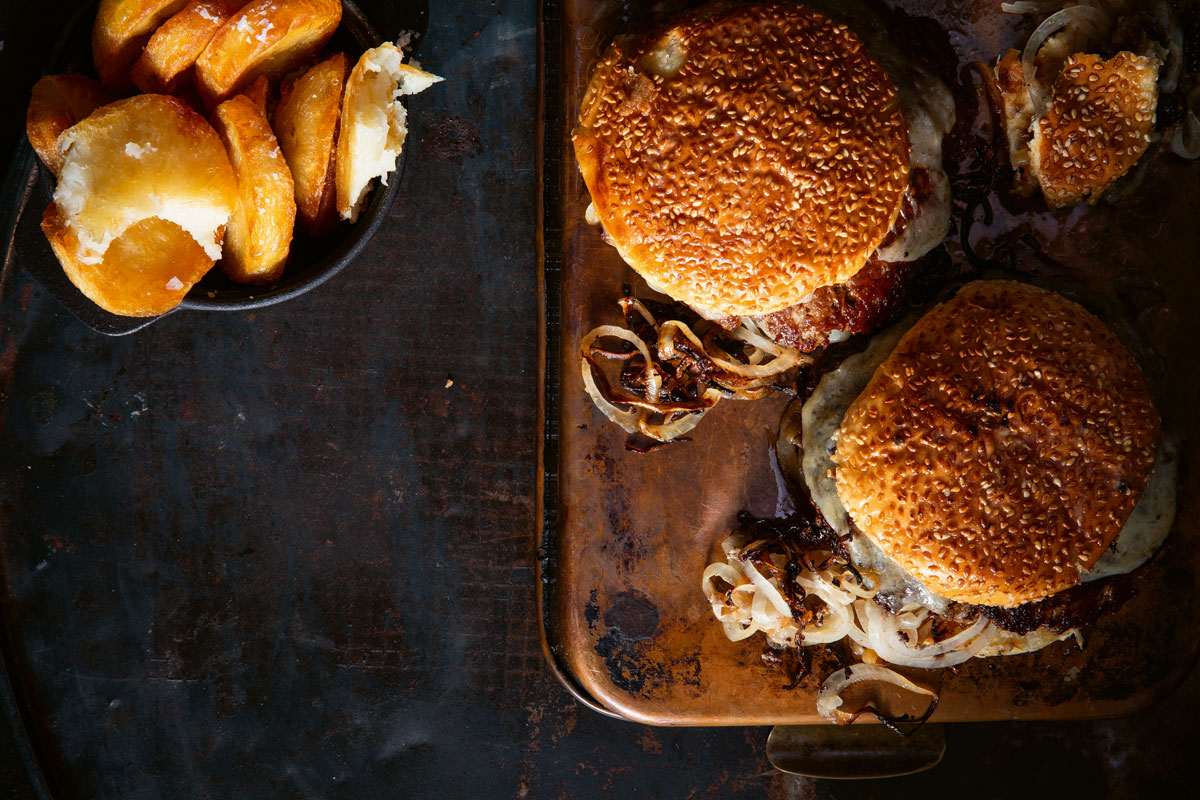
[{"x": 273, "y": 554}]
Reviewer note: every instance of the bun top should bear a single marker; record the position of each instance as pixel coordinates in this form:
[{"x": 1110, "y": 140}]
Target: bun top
[
  {"x": 745, "y": 156},
  {"x": 999, "y": 449}
]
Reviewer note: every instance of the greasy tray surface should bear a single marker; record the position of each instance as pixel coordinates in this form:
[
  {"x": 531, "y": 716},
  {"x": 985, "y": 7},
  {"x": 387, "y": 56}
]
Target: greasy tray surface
[{"x": 624, "y": 613}]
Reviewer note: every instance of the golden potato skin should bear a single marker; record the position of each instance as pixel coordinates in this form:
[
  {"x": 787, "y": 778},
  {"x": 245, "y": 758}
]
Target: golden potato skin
[
  {"x": 166, "y": 63},
  {"x": 121, "y": 30},
  {"x": 260, "y": 93},
  {"x": 145, "y": 156},
  {"x": 146, "y": 271},
  {"x": 259, "y": 233},
  {"x": 306, "y": 122},
  {"x": 57, "y": 103},
  {"x": 267, "y": 37}
]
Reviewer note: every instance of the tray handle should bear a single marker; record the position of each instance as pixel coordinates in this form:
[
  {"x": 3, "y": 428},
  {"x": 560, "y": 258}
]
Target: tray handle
[{"x": 854, "y": 751}]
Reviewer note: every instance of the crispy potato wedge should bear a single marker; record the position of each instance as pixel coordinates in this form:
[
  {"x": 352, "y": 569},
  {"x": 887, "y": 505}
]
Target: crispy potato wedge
[
  {"x": 306, "y": 122},
  {"x": 121, "y": 30},
  {"x": 260, "y": 93},
  {"x": 146, "y": 270},
  {"x": 166, "y": 62},
  {"x": 267, "y": 37},
  {"x": 374, "y": 123},
  {"x": 57, "y": 103},
  {"x": 145, "y": 156},
  {"x": 260, "y": 231}
]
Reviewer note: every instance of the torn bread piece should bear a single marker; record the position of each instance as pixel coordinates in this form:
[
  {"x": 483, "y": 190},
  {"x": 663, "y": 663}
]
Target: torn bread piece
[
  {"x": 58, "y": 102},
  {"x": 259, "y": 233},
  {"x": 145, "y": 156},
  {"x": 1018, "y": 114},
  {"x": 146, "y": 271},
  {"x": 374, "y": 123},
  {"x": 1096, "y": 126}
]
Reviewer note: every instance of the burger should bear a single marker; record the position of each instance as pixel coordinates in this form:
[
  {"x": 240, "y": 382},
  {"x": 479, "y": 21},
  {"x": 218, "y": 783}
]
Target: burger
[
  {"x": 773, "y": 168},
  {"x": 985, "y": 478}
]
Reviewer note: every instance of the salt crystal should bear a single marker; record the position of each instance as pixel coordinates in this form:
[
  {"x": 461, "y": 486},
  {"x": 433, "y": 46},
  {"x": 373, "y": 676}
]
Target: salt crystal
[{"x": 174, "y": 284}]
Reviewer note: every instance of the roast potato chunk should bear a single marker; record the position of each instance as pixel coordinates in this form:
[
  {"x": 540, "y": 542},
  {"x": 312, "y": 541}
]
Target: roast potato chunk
[
  {"x": 58, "y": 102},
  {"x": 172, "y": 50},
  {"x": 267, "y": 37},
  {"x": 306, "y": 122},
  {"x": 145, "y": 156},
  {"x": 374, "y": 123},
  {"x": 260, "y": 231},
  {"x": 121, "y": 30},
  {"x": 146, "y": 270}
]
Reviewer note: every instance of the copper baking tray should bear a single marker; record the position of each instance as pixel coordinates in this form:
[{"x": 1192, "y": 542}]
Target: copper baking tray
[{"x": 626, "y": 536}]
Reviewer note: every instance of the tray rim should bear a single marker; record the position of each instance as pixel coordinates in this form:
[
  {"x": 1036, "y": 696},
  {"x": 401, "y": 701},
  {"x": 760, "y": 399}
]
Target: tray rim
[{"x": 549, "y": 300}]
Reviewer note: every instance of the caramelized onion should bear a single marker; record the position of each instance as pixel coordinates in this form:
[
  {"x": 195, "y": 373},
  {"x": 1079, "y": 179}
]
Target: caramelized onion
[
  {"x": 627, "y": 420},
  {"x": 1186, "y": 140},
  {"x": 829, "y": 700},
  {"x": 684, "y": 371},
  {"x": 1083, "y": 16}
]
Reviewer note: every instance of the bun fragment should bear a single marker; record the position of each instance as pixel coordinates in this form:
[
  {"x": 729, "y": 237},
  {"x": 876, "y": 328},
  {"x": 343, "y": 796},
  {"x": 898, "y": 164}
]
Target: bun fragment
[
  {"x": 146, "y": 271},
  {"x": 373, "y": 123},
  {"x": 259, "y": 233},
  {"x": 166, "y": 62},
  {"x": 744, "y": 157},
  {"x": 145, "y": 156},
  {"x": 306, "y": 122},
  {"x": 267, "y": 37},
  {"x": 998, "y": 451},
  {"x": 58, "y": 102},
  {"x": 1096, "y": 127},
  {"x": 121, "y": 30}
]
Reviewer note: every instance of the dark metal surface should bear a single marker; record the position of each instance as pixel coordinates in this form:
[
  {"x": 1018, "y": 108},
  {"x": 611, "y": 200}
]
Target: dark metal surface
[{"x": 272, "y": 554}]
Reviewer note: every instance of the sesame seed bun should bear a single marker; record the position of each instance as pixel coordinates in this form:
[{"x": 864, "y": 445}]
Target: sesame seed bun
[
  {"x": 1096, "y": 127},
  {"x": 998, "y": 451},
  {"x": 745, "y": 156}
]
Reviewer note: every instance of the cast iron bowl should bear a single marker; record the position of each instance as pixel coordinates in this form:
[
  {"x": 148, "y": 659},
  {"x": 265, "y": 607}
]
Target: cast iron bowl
[{"x": 311, "y": 262}]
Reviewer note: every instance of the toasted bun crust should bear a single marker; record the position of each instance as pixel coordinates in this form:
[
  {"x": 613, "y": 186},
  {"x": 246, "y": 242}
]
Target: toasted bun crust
[
  {"x": 999, "y": 449},
  {"x": 267, "y": 37},
  {"x": 57, "y": 103},
  {"x": 1096, "y": 127},
  {"x": 745, "y": 156},
  {"x": 167, "y": 60},
  {"x": 145, "y": 272},
  {"x": 259, "y": 233},
  {"x": 145, "y": 156}
]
